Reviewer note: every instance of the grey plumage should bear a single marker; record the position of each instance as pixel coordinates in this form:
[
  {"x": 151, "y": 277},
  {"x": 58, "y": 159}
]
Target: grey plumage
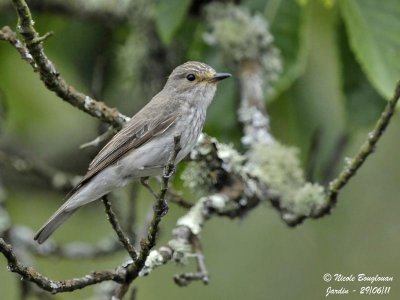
[{"x": 143, "y": 146}]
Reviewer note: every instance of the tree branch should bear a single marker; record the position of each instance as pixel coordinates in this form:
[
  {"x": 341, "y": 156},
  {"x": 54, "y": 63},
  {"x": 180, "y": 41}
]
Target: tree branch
[
  {"x": 107, "y": 11},
  {"x": 201, "y": 274},
  {"x": 365, "y": 150},
  {"x": 252, "y": 113},
  {"x": 159, "y": 210},
  {"x": 6, "y": 34},
  {"x": 52, "y": 78},
  {"x": 29, "y": 274},
  {"x": 56, "y": 179},
  {"x": 123, "y": 238},
  {"x": 235, "y": 190}
]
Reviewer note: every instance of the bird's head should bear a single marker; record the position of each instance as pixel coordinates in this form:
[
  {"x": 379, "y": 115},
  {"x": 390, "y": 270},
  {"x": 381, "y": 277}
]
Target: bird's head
[{"x": 195, "y": 81}]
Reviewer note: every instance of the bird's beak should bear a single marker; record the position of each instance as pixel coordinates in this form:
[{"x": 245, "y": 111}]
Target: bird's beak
[{"x": 220, "y": 76}]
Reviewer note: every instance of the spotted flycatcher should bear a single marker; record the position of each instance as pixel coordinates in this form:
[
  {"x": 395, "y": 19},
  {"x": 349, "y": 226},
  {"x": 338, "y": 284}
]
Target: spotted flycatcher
[{"x": 142, "y": 148}]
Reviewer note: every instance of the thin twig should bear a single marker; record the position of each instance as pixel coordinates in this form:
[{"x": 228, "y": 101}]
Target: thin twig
[
  {"x": 101, "y": 138},
  {"x": 93, "y": 11},
  {"x": 159, "y": 210},
  {"x": 52, "y": 78},
  {"x": 54, "y": 82},
  {"x": 57, "y": 179},
  {"x": 176, "y": 198},
  {"x": 145, "y": 182},
  {"x": 79, "y": 250},
  {"x": 29, "y": 274},
  {"x": 201, "y": 274},
  {"x": 365, "y": 150},
  {"x": 10, "y": 36},
  {"x": 22, "y": 236},
  {"x": 160, "y": 207},
  {"x": 117, "y": 228}
]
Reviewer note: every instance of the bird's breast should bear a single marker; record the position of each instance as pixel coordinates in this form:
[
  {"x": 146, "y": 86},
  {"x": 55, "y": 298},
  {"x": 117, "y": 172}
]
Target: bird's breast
[{"x": 189, "y": 128}]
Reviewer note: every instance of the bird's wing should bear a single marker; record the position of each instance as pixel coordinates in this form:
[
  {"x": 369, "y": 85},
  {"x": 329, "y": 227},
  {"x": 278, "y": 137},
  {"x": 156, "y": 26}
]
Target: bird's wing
[{"x": 137, "y": 132}]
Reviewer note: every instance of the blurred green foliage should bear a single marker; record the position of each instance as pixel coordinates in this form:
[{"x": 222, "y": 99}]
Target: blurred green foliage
[{"x": 341, "y": 60}]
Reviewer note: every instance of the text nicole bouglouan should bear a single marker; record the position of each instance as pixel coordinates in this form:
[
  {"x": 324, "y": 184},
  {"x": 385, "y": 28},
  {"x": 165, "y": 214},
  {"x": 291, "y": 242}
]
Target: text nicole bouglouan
[{"x": 363, "y": 284}]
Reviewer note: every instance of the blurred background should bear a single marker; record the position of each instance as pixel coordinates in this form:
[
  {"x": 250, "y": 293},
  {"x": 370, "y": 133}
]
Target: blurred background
[{"x": 340, "y": 62}]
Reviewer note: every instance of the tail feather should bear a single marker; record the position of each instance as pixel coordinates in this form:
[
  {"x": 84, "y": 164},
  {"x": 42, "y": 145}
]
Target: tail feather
[{"x": 59, "y": 217}]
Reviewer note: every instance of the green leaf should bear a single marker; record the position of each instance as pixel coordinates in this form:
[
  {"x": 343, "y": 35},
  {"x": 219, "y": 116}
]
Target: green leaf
[
  {"x": 169, "y": 16},
  {"x": 363, "y": 103},
  {"x": 374, "y": 32},
  {"x": 286, "y": 20}
]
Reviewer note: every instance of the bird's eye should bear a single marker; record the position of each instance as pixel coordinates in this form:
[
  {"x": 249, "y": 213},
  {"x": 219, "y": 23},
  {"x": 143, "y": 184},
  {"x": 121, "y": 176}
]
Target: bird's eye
[{"x": 190, "y": 77}]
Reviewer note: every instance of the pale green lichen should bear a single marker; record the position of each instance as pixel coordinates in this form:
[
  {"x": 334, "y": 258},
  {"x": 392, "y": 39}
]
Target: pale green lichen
[
  {"x": 194, "y": 218},
  {"x": 154, "y": 259},
  {"x": 197, "y": 177},
  {"x": 308, "y": 199},
  {"x": 279, "y": 167},
  {"x": 242, "y": 36},
  {"x": 232, "y": 161},
  {"x": 276, "y": 165},
  {"x": 182, "y": 249}
]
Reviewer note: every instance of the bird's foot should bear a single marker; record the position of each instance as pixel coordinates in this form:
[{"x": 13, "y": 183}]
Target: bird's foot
[
  {"x": 161, "y": 208},
  {"x": 168, "y": 172}
]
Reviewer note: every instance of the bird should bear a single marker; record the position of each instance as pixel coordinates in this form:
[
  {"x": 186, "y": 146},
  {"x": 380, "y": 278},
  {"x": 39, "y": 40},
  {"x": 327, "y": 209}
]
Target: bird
[{"x": 143, "y": 146}]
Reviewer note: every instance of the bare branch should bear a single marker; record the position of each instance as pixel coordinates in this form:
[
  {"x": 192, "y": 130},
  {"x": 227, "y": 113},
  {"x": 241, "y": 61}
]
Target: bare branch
[
  {"x": 175, "y": 197},
  {"x": 21, "y": 237},
  {"x": 101, "y": 138},
  {"x": 118, "y": 230},
  {"x": 201, "y": 274},
  {"x": 234, "y": 191},
  {"x": 52, "y": 78},
  {"x": 29, "y": 274},
  {"x": 252, "y": 113},
  {"x": 145, "y": 182},
  {"x": 107, "y": 11},
  {"x": 159, "y": 210},
  {"x": 365, "y": 150},
  {"x": 57, "y": 179},
  {"x": 6, "y": 34},
  {"x": 161, "y": 207},
  {"x": 78, "y": 250}
]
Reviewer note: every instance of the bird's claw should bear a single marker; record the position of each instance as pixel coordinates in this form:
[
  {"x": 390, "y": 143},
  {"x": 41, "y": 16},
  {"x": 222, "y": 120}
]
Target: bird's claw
[
  {"x": 169, "y": 172},
  {"x": 161, "y": 208}
]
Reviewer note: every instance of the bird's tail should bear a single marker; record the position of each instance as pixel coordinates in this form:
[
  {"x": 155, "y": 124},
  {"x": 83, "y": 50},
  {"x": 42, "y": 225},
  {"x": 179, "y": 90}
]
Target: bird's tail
[{"x": 59, "y": 217}]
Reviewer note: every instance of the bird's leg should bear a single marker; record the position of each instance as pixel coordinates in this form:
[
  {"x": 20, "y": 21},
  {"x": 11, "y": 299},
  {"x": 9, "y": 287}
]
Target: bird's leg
[
  {"x": 145, "y": 182},
  {"x": 170, "y": 167},
  {"x": 168, "y": 172},
  {"x": 161, "y": 208}
]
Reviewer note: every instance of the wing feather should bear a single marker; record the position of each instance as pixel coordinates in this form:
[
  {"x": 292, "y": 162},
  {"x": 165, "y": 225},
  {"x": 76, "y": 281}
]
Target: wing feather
[{"x": 132, "y": 136}]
